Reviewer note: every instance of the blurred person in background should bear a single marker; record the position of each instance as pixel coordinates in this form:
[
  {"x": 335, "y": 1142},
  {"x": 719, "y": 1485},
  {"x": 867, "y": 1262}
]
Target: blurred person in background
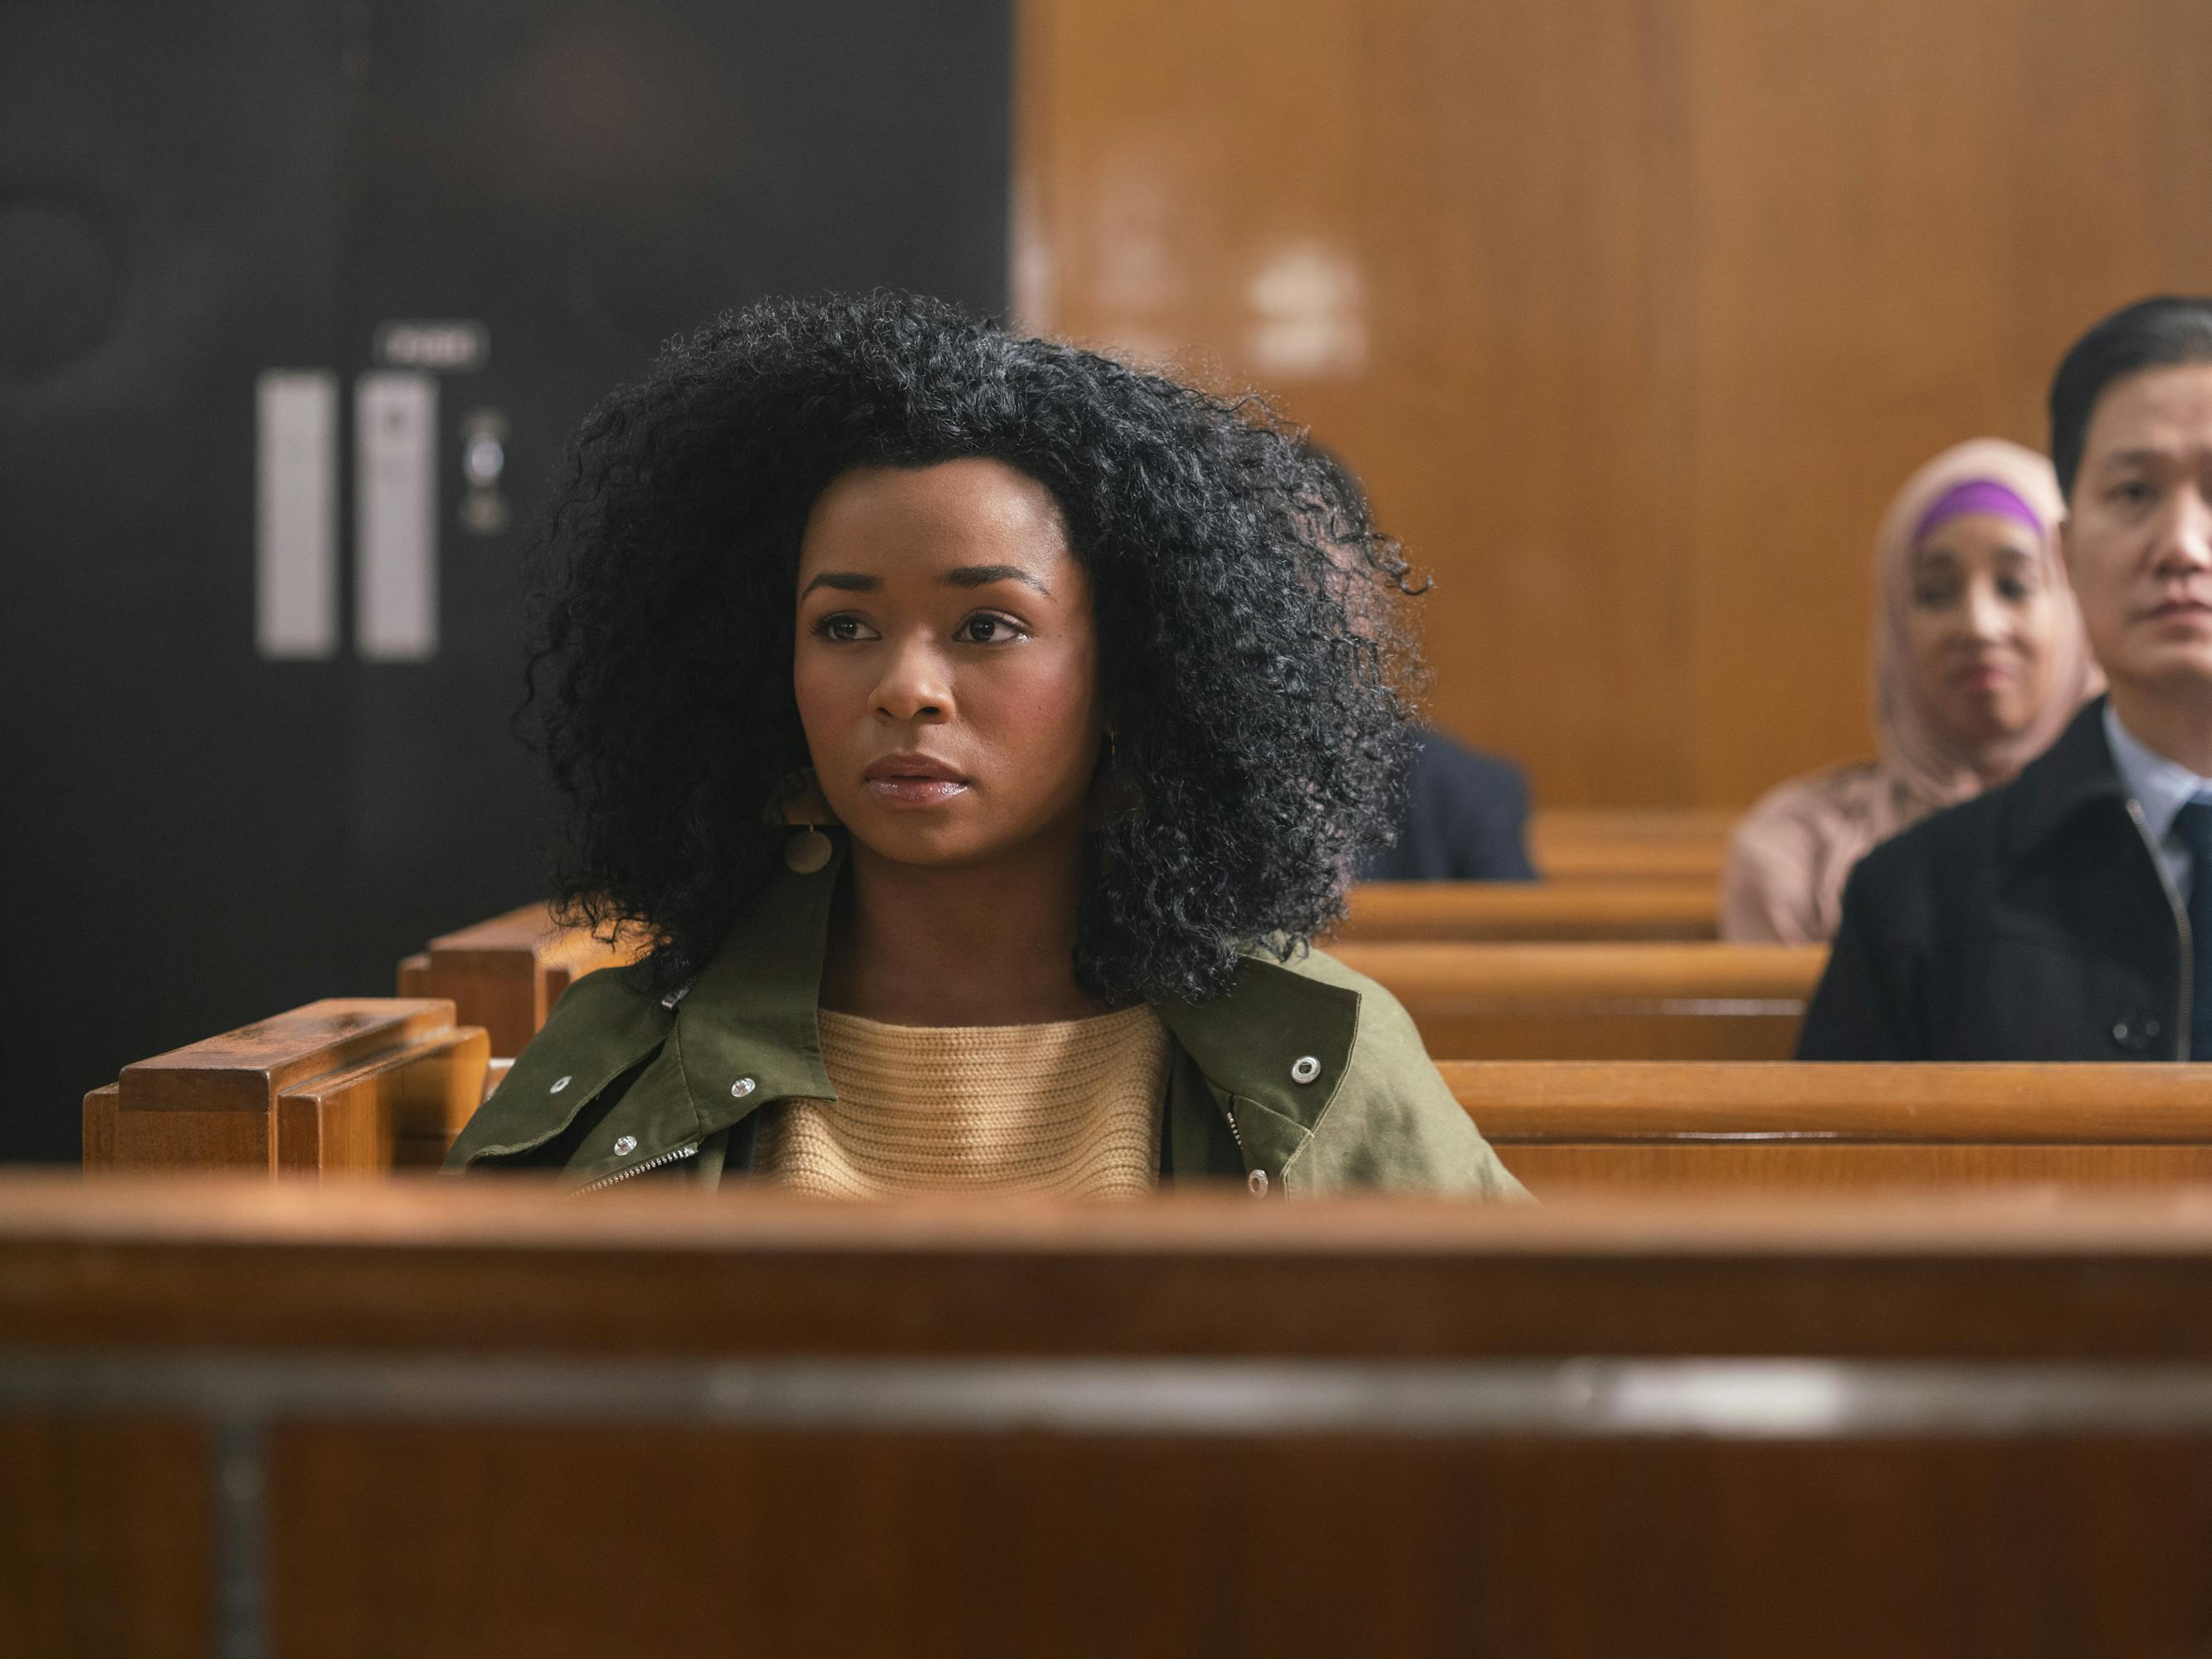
[
  {"x": 1980, "y": 661},
  {"x": 1466, "y": 812},
  {"x": 2068, "y": 915}
]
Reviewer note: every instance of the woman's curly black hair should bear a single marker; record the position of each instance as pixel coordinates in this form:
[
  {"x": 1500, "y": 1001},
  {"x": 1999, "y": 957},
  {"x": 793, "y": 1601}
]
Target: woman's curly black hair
[{"x": 1250, "y": 666}]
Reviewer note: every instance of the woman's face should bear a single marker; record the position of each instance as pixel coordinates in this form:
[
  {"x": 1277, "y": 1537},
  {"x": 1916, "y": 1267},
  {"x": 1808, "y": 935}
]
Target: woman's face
[
  {"x": 1982, "y": 624},
  {"x": 946, "y": 663}
]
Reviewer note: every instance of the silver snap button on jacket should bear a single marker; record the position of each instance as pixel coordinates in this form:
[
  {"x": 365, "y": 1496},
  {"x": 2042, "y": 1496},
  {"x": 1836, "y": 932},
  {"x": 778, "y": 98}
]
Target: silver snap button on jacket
[
  {"x": 626, "y": 1145},
  {"x": 742, "y": 1087},
  {"x": 1257, "y": 1181},
  {"x": 559, "y": 1084},
  {"x": 1305, "y": 1069}
]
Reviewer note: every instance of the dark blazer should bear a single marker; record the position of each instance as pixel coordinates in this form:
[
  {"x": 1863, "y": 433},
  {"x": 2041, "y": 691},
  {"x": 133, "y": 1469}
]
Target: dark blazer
[
  {"x": 2034, "y": 922},
  {"x": 1466, "y": 815}
]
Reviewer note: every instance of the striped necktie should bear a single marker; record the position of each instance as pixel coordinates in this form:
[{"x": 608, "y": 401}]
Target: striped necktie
[{"x": 2193, "y": 823}]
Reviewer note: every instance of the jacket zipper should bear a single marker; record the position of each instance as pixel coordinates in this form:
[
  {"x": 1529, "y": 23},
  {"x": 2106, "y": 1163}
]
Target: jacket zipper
[
  {"x": 651, "y": 1164},
  {"x": 2181, "y": 926}
]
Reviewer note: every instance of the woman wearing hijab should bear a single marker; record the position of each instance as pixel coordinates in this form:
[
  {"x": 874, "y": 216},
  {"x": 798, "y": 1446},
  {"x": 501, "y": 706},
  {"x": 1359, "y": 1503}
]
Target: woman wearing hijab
[{"x": 1979, "y": 661}]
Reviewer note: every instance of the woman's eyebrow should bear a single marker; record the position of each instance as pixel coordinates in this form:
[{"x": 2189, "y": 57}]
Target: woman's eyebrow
[
  {"x": 846, "y": 581},
  {"x": 982, "y": 575}
]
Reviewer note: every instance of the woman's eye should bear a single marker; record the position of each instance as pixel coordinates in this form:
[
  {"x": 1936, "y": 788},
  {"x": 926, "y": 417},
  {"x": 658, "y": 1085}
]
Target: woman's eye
[
  {"x": 1935, "y": 595},
  {"x": 843, "y": 627},
  {"x": 987, "y": 630},
  {"x": 2133, "y": 493},
  {"x": 2015, "y": 588}
]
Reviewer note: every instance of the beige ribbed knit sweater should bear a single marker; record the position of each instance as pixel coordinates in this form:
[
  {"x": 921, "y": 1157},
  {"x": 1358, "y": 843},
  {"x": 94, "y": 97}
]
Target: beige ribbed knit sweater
[{"x": 1070, "y": 1107}]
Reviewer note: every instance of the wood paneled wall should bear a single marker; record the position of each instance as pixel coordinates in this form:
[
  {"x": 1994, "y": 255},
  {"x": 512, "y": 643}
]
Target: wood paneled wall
[{"x": 1631, "y": 315}]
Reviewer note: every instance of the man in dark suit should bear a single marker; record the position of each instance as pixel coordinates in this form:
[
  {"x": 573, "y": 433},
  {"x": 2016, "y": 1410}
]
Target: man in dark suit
[
  {"x": 1467, "y": 818},
  {"x": 2068, "y": 915}
]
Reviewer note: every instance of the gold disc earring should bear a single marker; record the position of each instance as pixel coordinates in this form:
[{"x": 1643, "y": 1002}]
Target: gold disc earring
[
  {"x": 806, "y": 852},
  {"x": 803, "y": 803}
]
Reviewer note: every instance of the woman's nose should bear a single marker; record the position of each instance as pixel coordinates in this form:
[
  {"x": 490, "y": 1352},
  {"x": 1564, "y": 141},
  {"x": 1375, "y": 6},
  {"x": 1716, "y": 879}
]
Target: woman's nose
[
  {"x": 1985, "y": 614},
  {"x": 915, "y": 685}
]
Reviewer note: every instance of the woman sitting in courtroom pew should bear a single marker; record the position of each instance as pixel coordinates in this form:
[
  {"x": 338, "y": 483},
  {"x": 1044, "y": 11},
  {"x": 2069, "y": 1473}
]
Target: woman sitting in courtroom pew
[
  {"x": 980, "y": 728},
  {"x": 1979, "y": 661}
]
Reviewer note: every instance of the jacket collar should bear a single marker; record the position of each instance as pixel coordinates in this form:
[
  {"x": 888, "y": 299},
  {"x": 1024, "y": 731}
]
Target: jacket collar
[
  {"x": 1247, "y": 1041},
  {"x": 750, "y": 1014},
  {"x": 2073, "y": 773},
  {"x": 745, "y": 1026}
]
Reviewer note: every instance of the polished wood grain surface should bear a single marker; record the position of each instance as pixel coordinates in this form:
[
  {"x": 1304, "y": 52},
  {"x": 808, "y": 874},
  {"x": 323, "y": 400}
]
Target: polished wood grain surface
[
  {"x": 1932, "y": 1102},
  {"x": 245, "y": 1070},
  {"x": 1651, "y": 1128},
  {"x": 1632, "y": 318},
  {"x": 506, "y": 973},
  {"x": 410, "y": 1512},
  {"x": 517, "y": 1266},
  {"x": 1689, "y": 1165},
  {"x": 955, "y": 1545},
  {"x": 1636, "y": 1001},
  {"x": 105, "y": 1545},
  {"x": 346, "y": 1086},
  {"x": 1629, "y": 845},
  {"x": 1533, "y": 911}
]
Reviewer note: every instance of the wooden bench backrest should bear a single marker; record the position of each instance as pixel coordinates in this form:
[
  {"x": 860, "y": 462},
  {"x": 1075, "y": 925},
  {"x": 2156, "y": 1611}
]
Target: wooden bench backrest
[
  {"x": 1654, "y": 1127},
  {"x": 344, "y": 1086},
  {"x": 1630, "y": 845},
  {"x": 505, "y": 974},
  {"x": 1598, "y": 1001},
  {"x": 1534, "y": 912},
  {"x": 1418, "y": 1429}
]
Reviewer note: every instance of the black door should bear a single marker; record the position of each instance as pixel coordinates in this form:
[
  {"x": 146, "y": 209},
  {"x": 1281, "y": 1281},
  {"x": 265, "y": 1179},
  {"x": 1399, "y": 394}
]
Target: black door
[{"x": 473, "y": 219}]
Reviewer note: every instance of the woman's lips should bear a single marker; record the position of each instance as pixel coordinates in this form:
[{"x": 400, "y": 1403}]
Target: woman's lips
[
  {"x": 913, "y": 781},
  {"x": 900, "y": 791},
  {"x": 1984, "y": 677}
]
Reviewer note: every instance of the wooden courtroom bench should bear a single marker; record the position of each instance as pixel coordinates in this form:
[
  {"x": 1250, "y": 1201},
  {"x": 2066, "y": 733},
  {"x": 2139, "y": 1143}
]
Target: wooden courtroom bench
[
  {"x": 1642, "y": 1127},
  {"x": 458, "y": 1421},
  {"x": 1598, "y": 1001},
  {"x": 1631, "y": 844},
  {"x": 345, "y": 1086},
  {"x": 505, "y": 974},
  {"x": 1474, "y": 1001},
  {"x": 1535, "y": 912}
]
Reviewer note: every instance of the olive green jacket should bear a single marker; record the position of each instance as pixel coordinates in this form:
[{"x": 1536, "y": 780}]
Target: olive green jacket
[{"x": 1305, "y": 1077}]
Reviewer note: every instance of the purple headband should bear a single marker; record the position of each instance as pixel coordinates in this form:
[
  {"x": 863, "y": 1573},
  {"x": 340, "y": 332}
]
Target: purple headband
[{"x": 1977, "y": 496}]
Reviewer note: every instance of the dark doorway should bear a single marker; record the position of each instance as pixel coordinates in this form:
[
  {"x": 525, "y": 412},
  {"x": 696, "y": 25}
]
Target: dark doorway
[{"x": 195, "y": 834}]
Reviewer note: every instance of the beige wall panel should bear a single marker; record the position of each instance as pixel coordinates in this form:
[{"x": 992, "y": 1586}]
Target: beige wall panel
[
  {"x": 1633, "y": 316},
  {"x": 1454, "y": 239}
]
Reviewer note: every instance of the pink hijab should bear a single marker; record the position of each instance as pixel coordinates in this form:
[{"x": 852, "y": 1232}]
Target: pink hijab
[
  {"x": 1925, "y": 768},
  {"x": 1789, "y": 858}
]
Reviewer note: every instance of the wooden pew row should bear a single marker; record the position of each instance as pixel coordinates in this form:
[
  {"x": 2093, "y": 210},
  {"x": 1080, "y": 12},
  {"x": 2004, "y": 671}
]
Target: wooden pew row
[
  {"x": 355, "y": 1088},
  {"x": 505, "y": 974},
  {"x": 348, "y": 1086},
  {"x": 1473, "y": 1002},
  {"x": 1532, "y": 912},
  {"x": 1598, "y": 1001},
  {"x": 1630, "y": 845},
  {"x": 1640, "y": 1129},
  {"x": 460, "y": 1422}
]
